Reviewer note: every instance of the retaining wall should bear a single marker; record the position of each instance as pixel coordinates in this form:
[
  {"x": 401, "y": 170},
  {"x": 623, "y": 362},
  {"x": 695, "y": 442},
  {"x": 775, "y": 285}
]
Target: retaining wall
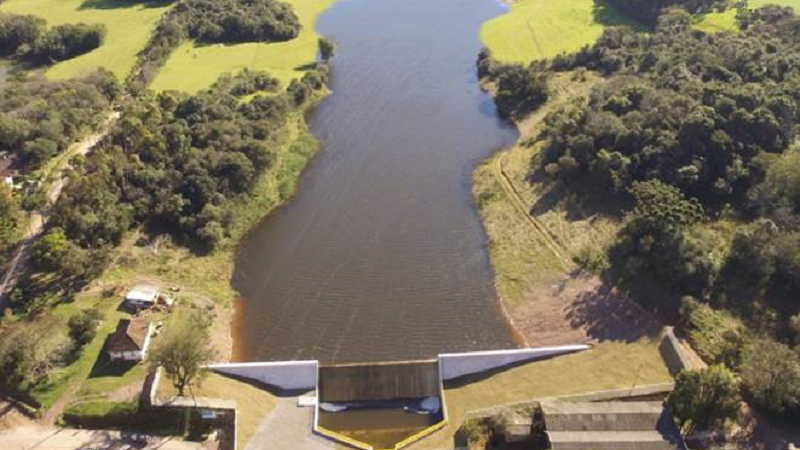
[
  {"x": 288, "y": 375},
  {"x": 455, "y": 365},
  {"x": 673, "y": 354}
]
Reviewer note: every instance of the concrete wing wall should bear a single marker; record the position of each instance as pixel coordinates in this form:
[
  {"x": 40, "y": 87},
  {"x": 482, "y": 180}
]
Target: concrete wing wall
[
  {"x": 455, "y": 365},
  {"x": 289, "y": 375}
]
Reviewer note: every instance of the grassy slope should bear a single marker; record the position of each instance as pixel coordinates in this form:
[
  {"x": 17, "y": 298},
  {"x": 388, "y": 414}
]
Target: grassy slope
[
  {"x": 128, "y": 25},
  {"x": 523, "y": 255},
  {"x": 192, "y": 68},
  {"x": 611, "y": 365},
  {"x": 536, "y": 29},
  {"x": 724, "y": 21}
]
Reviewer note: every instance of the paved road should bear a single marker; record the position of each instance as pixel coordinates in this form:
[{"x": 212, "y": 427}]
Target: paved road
[
  {"x": 51, "y": 438},
  {"x": 288, "y": 427}
]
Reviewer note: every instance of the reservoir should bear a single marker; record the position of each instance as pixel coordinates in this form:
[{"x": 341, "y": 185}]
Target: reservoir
[{"x": 381, "y": 256}]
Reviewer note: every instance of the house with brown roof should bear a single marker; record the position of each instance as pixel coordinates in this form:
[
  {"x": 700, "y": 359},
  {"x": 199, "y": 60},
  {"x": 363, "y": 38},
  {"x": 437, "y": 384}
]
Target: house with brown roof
[{"x": 131, "y": 340}]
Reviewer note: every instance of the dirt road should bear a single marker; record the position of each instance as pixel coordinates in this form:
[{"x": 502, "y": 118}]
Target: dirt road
[{"x": 38, "y": 219}]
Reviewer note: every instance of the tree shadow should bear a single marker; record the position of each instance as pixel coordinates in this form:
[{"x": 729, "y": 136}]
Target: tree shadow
[
  {"x": 609, "y": 16},
  {"x": 580, "y": 199},
  {"x": 608, "y": 315},
  {"x": 122, "y": 4}
]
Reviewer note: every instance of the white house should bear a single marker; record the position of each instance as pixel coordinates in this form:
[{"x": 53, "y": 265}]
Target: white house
[
  {"x": 131, "y": 341},
  {"x": 142, "y": 296}
]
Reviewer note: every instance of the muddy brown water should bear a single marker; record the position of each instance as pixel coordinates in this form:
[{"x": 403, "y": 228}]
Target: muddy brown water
[{"x": 381, "y": 255}]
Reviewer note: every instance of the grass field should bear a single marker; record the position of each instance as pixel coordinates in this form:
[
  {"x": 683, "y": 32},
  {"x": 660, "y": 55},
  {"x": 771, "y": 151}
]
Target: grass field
[
  {"x": 192, "y": 67},
  {"x": 726, "y": 21},
  {"x": 128, "y": 25},
  {"x": 536, "y": 29}
]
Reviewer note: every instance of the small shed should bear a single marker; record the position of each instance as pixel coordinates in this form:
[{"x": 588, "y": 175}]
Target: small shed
[
  {"x": 142, "y": 296},
  {"x": 131, "y": 340}
]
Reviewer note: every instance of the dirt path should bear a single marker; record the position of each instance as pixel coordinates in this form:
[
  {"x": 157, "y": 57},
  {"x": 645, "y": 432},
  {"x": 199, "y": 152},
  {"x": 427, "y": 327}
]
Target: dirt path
[
  {"x": 38, "y": 219},
  {"x": 562, "y": 93}
]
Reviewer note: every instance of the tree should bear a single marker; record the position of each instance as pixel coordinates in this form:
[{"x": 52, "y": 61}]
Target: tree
[
  {"x": 771, "y": 373},
  {"x": 520, "y": 90},
  {"x": 10, "y": 217},
  {"x": 51, "y": 250},
  {"x": 327, "y": 48},
  {"x": 184, "y": 349},
  {"x": 83, "y": 327},
  {"x": 660, "y": 244},
  {"x": 705, "y": 399}
]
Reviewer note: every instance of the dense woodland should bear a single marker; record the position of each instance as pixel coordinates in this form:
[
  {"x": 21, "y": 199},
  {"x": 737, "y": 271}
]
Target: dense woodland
[
  {"x": 697, "y": 133},
  {"x": 39, "y": 119},
  {"x": 28, "y": 39},
  {"x": 209, "y": 22}
]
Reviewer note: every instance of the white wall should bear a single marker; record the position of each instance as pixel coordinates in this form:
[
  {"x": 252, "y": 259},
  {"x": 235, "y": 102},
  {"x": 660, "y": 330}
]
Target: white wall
[
  {"x": 289, "y": 375},
  {"x": 454, "y": 365}
]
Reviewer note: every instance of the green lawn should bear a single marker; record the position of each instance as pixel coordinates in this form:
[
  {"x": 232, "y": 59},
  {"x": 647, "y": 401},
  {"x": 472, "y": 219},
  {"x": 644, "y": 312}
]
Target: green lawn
[
  {"x": 536, "y": 29},
  {"x": 128, "y": 25},
  {"x": 192, "y": 68},
  {"x": 725, "y": 21}
]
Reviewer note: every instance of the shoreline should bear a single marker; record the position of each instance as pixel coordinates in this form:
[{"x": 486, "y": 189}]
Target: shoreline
[{"x": 542, "y": 296}]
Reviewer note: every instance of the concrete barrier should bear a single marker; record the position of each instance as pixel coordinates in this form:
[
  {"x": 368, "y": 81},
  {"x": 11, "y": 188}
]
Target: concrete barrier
[
  {"x": 455, "y": 365},
  {"x": 288, "y": 375},
  {"x": 673, "y": 354}
]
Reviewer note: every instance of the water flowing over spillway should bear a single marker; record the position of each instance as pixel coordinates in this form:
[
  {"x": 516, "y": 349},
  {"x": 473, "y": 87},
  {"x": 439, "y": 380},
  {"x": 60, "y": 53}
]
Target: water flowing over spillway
[{"x": 381, "y": 255}]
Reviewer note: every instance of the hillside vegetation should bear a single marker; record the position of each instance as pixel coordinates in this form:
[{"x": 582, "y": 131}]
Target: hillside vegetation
[{"x": 692, "y": 139}]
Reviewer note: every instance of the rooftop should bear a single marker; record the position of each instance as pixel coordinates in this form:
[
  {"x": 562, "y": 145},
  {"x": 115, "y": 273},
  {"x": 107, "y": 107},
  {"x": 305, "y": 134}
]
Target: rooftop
[{"x": 129, "y": 336}]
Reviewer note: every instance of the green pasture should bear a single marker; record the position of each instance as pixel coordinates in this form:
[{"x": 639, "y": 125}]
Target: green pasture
[
  {"x": 536, "y": 29},
  {"x": 194, "y": 67},
  {"x": 128, "y": 25}
]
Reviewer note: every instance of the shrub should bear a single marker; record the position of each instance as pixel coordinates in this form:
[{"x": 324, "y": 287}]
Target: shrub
[{"x": 705, "y": 399}]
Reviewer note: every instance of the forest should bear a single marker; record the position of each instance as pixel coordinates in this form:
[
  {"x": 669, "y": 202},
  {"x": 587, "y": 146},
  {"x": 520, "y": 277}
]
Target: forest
[
  {"x": 28, "y": 39},
  {"x": 694, "y": 135}
]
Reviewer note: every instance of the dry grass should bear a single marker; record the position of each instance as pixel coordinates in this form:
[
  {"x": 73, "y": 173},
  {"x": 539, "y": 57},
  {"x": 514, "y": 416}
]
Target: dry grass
[
  {"x": 610, "y": 365},
  {"x": 252, "y": 402},
  {"x": 531, "y": 245}
]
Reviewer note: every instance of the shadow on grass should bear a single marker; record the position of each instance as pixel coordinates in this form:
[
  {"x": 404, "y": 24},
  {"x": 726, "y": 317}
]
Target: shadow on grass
[
  {"x": 122, "y": 4},
  {"x": 610, "y": 16},
  {"x": 608, "y": 315},
  {"x": 580, "y": 199}
]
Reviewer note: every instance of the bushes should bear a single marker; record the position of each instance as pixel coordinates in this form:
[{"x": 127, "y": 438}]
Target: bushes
[
  {"x": 771, "y": 373},
  {"x": 83, "y": 327},
  {"x": 68, "y": 41},
  {"x": 25, "y": 37},
  {"x": 705, "y": 399},
  {"x": 520, "y": 90},
  {"x": 10, "y": 221}
]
